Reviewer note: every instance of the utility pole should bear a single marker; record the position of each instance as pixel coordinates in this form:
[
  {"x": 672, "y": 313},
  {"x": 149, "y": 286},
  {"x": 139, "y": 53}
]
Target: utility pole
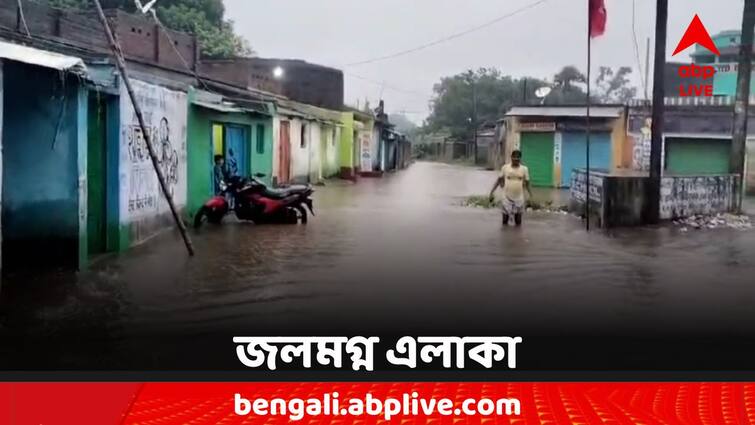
[
  {"x": 474, "y": 117},
  {"x": 659, "y": 93},
  {"x": 587, "y": 117},
  {"x": 647, "y": 68},
  {"x": 741, "y": 104},
  {"x": 121, "y": 63}
]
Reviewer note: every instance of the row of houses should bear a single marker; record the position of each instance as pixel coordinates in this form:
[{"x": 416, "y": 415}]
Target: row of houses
[
  {"x": 77, "y": 178},
  {"x": 553, "y": 139}
]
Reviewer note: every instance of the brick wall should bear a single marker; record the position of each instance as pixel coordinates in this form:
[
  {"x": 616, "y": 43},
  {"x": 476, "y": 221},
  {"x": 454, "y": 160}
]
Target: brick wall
[
  {"x": 302, "y": 81},
  {"x": 138, "y": 35}
]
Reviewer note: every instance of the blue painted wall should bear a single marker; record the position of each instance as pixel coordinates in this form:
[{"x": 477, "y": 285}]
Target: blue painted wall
[
  {"x": 574, "y": 149},
  {"x": 41, "y": 165}
]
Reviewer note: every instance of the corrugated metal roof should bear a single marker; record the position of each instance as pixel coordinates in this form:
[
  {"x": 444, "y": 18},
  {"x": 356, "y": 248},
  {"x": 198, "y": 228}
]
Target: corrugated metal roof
[
  {"x": 565, "y": 111},
  {"x": 32, "y": 56},
  {"x": 220, "y": 107}
]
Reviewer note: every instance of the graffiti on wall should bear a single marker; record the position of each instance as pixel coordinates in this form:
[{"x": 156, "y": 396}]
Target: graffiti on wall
[
  {"x": 687, "y": 196},
  {"x": 641, "y": 147},
  {"x": 578, "y": 187},
  {"x": 164, "y": 114}
]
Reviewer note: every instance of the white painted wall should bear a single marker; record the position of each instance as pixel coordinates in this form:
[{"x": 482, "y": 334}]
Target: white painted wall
[
  {"x": 315, "y": 151},
  {"x": 299, "y": 154},
  {"x": 329, "y": 164},
  {"x": 165, "y": 114}
]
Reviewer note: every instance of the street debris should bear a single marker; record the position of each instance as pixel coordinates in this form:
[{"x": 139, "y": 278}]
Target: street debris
[
  {"x": 718, "y": 221},
  {"x": 478, "y": 201}
]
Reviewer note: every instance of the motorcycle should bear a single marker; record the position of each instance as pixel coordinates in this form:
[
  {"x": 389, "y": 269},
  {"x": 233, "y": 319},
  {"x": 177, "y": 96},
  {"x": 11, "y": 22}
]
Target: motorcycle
[{"x": 253, "y": 201}]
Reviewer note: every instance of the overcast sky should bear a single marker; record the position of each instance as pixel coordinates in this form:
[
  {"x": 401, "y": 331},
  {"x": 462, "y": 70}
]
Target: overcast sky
[{"x": 536, "y": 42}]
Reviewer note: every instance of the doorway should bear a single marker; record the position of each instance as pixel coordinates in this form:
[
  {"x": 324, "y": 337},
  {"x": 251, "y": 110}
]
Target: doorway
[
  {"x": 284, "y": 157},
  {"x": 97, "y": 175},
  {"x": 237, "y": 153}
]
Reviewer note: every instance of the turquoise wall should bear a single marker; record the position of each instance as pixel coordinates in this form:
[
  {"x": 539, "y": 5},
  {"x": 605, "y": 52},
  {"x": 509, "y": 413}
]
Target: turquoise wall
[
  {"x": 44, "y": 127},
  {"x": 724, "y": 83}
]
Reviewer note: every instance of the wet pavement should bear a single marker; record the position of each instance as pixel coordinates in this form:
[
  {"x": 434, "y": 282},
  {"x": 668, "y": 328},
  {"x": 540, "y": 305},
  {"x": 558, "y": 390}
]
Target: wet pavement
[{"x": 394, "y": 256}]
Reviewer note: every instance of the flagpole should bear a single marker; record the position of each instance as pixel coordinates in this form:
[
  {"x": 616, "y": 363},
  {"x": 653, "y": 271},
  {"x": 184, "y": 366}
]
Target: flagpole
[{"x": 587, "y": 117}]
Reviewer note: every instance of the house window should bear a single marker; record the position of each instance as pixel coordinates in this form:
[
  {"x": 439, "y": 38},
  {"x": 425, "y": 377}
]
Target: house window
[
  {"x": 333, "y": 137},
  {"x": 706, "y": 59},
  {"x": 260, "y": 139},
  {"x": 303, "y": 138}
]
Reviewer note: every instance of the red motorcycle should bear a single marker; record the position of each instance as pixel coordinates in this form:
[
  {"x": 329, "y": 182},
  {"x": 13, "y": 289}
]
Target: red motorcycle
[{"x": 254, "y": 201}]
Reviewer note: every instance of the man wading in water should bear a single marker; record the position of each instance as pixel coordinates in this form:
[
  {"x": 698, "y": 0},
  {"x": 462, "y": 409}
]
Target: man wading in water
[{"x": 514, "y": 179}]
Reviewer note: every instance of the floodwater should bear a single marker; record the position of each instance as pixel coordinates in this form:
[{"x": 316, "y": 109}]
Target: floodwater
[{"x": 398, "y": 256}]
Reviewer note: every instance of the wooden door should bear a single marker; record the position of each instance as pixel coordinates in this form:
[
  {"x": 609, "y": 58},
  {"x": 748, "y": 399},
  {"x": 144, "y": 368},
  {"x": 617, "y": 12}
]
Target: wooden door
[{"x": 284, "y": 150}]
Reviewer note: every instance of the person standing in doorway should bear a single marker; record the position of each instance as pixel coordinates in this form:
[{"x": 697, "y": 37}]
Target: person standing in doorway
[
  {"x": 514, "y": 180},
  {"x": 220, "y": 174}
]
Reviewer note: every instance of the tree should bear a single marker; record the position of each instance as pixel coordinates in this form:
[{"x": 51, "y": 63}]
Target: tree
[
  {"x": 567, "y": 87},
  {"x": 453, "y": 107},
  {"x": 613, "y": 86},
  {"x": 403, "y": 124},
  {"x": 204, "y": 18}
]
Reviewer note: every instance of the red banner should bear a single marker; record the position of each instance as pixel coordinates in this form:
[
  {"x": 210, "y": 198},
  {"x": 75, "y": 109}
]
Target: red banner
[{"x": 415, "y": 403}]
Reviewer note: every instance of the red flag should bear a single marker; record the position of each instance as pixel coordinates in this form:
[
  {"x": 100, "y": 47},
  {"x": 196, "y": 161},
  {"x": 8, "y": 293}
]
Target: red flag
[{"x": 598, "y": 18}]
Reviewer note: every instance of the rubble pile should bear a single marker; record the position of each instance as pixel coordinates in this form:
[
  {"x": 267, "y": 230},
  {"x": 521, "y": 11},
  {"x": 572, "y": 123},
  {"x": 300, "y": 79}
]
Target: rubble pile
[{"x": 718, "y": 221}]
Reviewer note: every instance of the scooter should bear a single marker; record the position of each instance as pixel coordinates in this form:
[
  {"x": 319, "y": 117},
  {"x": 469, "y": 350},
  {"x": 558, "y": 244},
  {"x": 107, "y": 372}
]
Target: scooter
[{"x": 253, "y": 201}]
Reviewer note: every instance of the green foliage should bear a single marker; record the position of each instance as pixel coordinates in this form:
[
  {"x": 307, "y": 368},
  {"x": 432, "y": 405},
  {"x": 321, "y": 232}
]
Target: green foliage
[
  {"x": 403, "y": 124},
  {"x": 481, "y": 201},
  {"x": 567, "y": 88},
  {"x": 205, "y": 18},
  {"x": 453, "y": 107},
  {"x": 454, "y": 104},
  {"x": 613, "y": 86}
]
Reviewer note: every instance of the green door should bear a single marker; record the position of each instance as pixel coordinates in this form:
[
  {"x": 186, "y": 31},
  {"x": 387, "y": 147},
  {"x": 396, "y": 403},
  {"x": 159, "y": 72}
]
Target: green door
[
  {"x": 537, "y": 155},
  {"x": 96, "y": 219},
  {"x": 697, "y": 156}
]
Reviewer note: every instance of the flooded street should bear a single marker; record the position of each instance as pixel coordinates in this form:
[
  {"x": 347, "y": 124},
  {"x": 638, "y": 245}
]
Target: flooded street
[{"x": 390, "y": 256}]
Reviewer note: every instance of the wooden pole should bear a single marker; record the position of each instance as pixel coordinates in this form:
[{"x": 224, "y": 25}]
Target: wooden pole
[
  {"x": 587, "y": 118},
  {"x": 741, "y": 105},
  {"x": 659, "y": 93},
  {"x": 647, "y": 68},
  {"x": 121, "y": 63}
]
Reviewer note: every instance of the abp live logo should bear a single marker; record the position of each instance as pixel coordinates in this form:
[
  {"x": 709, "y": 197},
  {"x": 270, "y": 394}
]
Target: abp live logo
[{"x": 696, "y": 34}]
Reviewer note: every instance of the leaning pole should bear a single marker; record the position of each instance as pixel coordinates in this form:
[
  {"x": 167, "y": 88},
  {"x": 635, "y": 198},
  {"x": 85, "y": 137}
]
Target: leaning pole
[{"x": 121, "y": 63}]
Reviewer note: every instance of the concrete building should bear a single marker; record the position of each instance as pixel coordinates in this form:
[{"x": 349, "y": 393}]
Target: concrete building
[
  {"x": 697, "y": 138},
  {"x": 553, "y": 140},
  {"x": 242, "y": 134},
  {"x": 356, "y": 147},
  {"x": 44, "y": 119},
  {"x": 726, "y": 65}
]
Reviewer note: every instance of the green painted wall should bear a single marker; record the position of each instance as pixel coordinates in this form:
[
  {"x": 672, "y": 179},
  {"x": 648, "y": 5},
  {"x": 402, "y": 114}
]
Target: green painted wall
[
  {"x": 346, "y": 147},
  {"x": 200, "y": 150},
  {"x": 697, "y": 156}
]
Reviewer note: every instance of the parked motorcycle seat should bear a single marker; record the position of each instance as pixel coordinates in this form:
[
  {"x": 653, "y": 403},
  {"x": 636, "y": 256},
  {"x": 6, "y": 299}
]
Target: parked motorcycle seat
[{"x": 280, "y": 193}]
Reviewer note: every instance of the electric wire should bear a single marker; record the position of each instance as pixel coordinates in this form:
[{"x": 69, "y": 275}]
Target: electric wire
[
  {"x": 450, "y": 37},
  {"x": 637, "y": 47}
]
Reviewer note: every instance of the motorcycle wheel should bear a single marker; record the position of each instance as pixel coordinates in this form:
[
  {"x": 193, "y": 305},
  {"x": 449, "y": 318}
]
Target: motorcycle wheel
[
  {"x": 206, "y": 214},
  {"x": 302, "y": 214},
  {"x": 290, "y": 216}
]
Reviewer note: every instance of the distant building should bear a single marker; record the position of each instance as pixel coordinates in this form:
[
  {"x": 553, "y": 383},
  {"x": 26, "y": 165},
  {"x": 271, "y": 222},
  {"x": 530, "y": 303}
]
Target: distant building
[
  {"x": 553, "y": 140},
  {"x": 725, "y": 80}
]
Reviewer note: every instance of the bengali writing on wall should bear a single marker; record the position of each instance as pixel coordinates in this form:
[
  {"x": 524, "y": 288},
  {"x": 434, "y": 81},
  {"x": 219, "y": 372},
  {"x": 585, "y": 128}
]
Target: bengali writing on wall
[{"x": 165, "y": 116}]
